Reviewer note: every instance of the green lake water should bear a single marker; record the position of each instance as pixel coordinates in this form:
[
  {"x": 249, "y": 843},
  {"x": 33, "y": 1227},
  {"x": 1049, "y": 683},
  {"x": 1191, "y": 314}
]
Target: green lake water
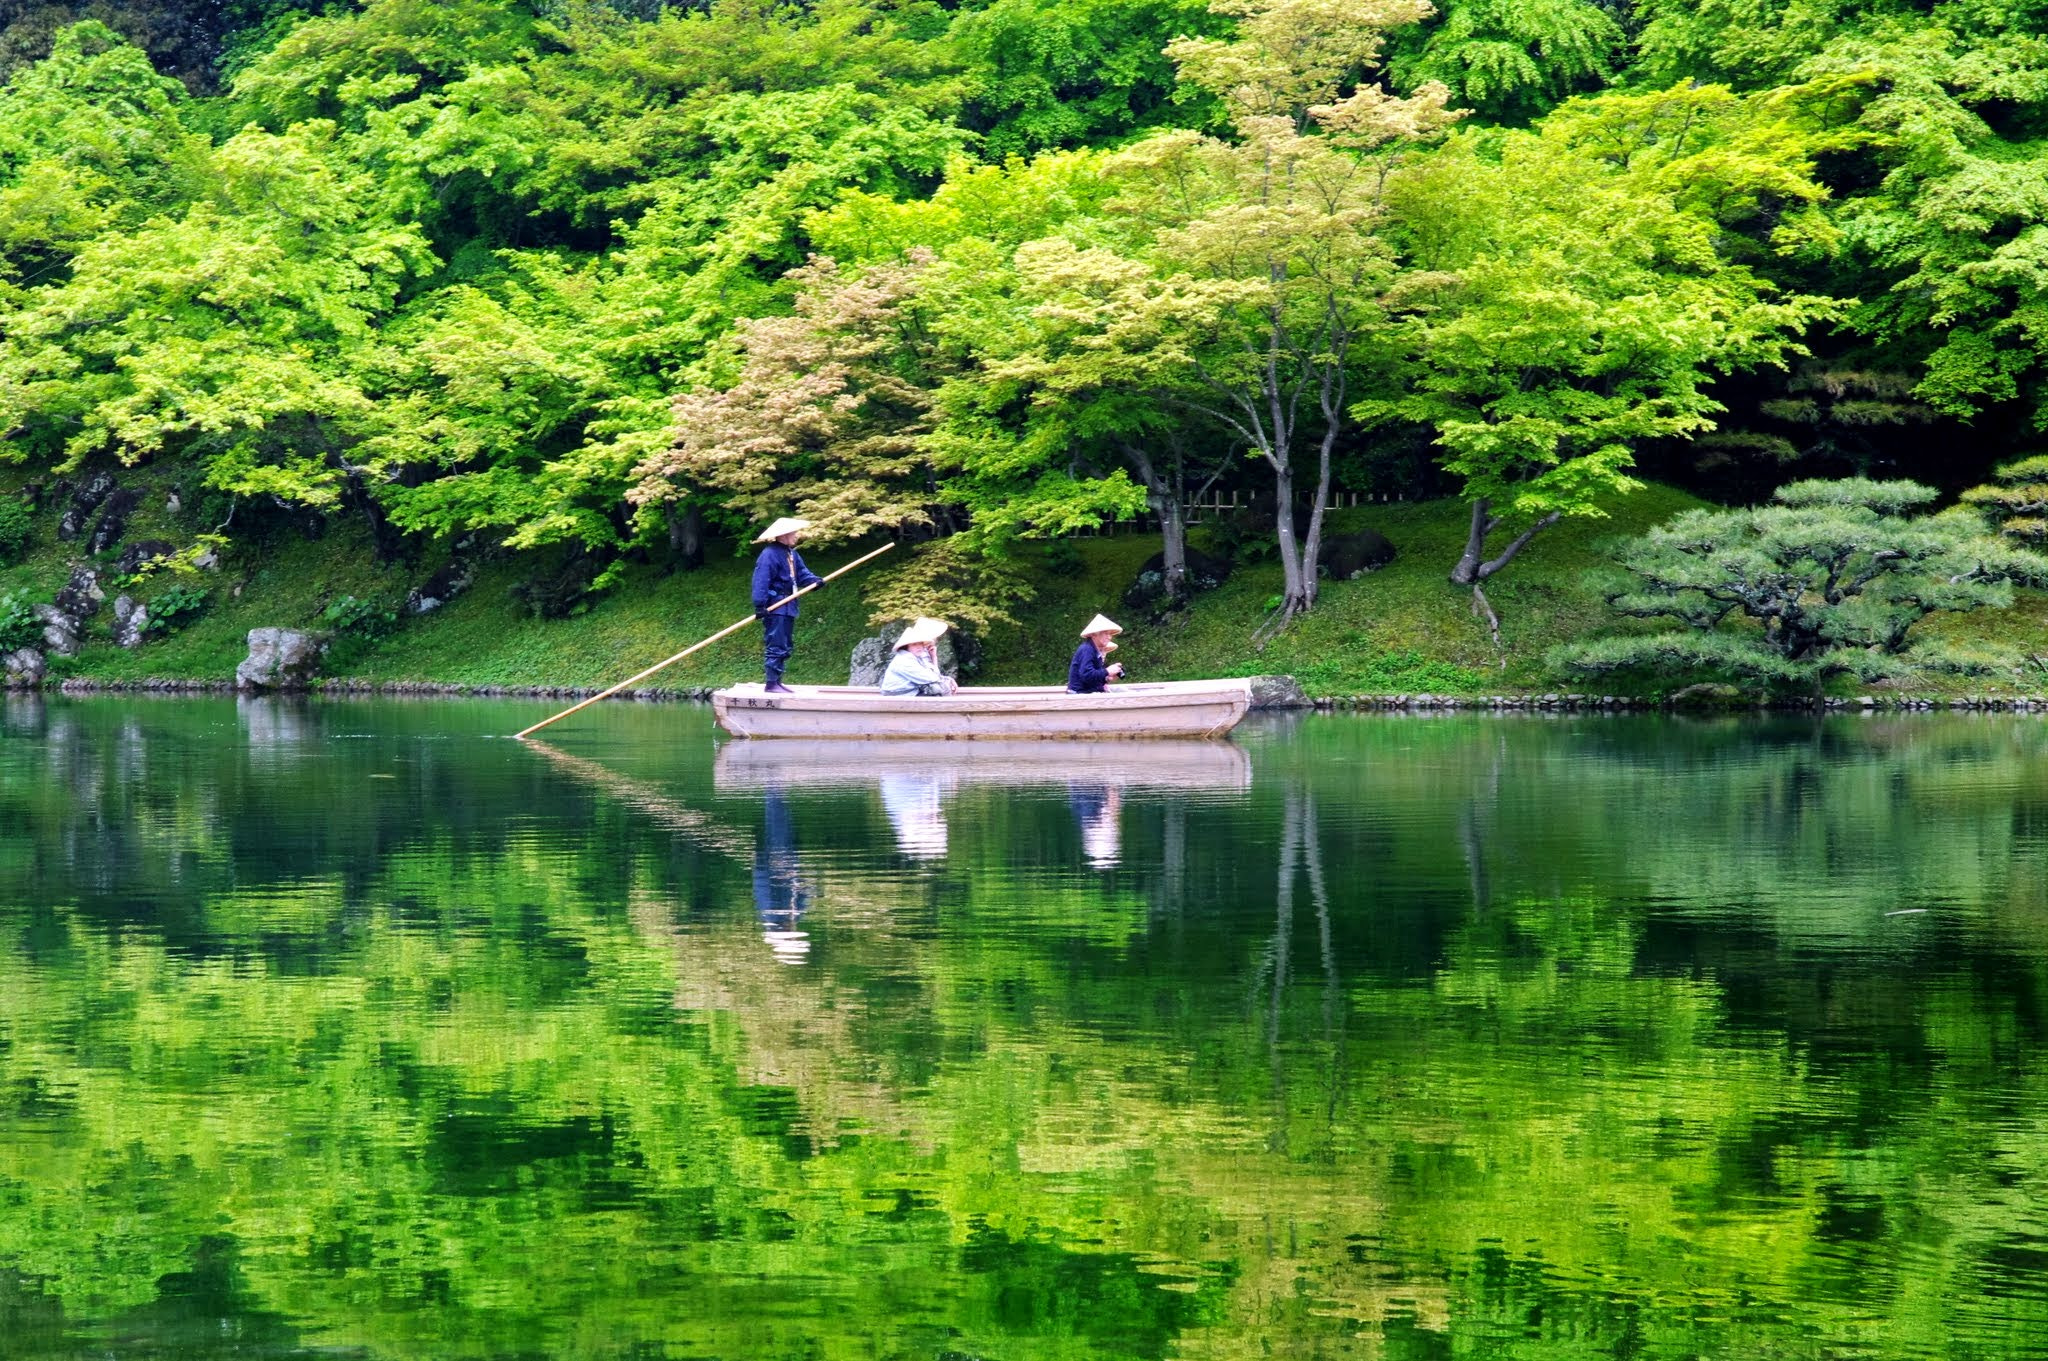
[{"x": 355, "y": 1030}]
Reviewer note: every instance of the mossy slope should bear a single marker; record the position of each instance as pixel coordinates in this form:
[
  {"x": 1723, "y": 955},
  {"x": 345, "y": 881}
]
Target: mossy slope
[{"x": 1401, "y": 629}]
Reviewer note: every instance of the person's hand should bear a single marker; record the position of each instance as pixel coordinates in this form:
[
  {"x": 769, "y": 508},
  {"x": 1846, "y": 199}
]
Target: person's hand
[{"x": 1116, "y": 669}]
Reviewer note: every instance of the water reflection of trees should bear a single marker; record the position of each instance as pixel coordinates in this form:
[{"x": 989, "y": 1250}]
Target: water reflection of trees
[{"x": 1451, "y": 1036}]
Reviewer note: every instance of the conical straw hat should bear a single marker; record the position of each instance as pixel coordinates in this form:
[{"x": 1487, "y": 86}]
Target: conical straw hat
[
  {"x": 1101, "y": 624},
  {"x": 786, "y": 525},
  {"x": 923, "y": 631}
]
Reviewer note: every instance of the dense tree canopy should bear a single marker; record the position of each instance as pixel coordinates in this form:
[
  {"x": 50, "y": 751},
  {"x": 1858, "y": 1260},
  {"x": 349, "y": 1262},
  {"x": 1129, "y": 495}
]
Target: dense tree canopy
[{"x": 477, "y": 266}]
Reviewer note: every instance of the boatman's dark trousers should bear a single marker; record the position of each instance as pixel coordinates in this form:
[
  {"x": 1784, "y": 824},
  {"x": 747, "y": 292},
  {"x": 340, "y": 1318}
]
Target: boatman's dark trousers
[{"x": 778, "y": 637}]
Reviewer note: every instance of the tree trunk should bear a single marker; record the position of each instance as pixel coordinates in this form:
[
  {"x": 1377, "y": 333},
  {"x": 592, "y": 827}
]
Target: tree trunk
[
  {"x": 1473, "y": 566},
  {"x": 686, "y": 535},
  {"x": 1166, "y": 494},
  {"x": 1312, "y": 547},
  {"x": 1173, "y": 538},
  {"x": 1466, "y": 573},
  {"x": 1298, "y": 594}
]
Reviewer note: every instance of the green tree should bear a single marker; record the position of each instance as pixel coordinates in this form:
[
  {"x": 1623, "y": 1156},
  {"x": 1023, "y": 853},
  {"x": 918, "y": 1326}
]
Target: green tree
[
  {"x": 91, "y": 143},
  {"x": 1511, "y": 60},
  {"x": 1251, "y": 293},
  {"x": 1829, "y": 580},
  {"x": 1044, "y": 74},
  {"x": 1568, "y": 296},
  {"x": 217, "y": 331},
  {"x": 820, "y": 420}
]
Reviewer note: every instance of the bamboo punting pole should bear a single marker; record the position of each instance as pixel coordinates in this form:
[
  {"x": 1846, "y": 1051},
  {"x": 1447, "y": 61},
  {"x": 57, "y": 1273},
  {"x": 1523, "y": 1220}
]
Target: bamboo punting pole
[{"x": 697, "y": 647}]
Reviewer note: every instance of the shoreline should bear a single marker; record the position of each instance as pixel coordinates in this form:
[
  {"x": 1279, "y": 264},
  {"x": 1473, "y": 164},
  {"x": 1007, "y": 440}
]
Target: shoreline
[{"x": 1556, "y": 702}]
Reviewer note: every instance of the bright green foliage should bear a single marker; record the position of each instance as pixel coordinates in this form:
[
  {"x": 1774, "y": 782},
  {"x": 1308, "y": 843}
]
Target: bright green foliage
[
  {"x": 1829, "y": 580},
  {"x": 90, "y": 144},
  {"x": 1570, "y": 297},
  {"x": 451, "y": 261},
  {"x": 352, "y": 66},
  {"x": 482, "y": 388},
  {"x": 1952, "y": 235},
  {"x": 217, "y": 329},
  {"x": 1062, "y": 73},
  {"x": 950, "y": 580},
  {"x": 997, "y": 207},
  {"x": 1749, "y": 44},
  {"x": 1510, "y": 60}
]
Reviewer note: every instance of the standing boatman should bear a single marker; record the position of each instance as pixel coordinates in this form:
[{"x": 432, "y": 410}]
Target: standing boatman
[{"x": 778, "y": 574}]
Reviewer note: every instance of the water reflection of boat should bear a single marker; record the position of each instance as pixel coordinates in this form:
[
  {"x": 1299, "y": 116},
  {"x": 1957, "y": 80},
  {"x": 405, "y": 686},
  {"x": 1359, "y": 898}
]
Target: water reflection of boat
[
  {"x": 915, "y": 779},
  {"x": 1121, "y": 765},
  {"x": 1162, "y": 710}
]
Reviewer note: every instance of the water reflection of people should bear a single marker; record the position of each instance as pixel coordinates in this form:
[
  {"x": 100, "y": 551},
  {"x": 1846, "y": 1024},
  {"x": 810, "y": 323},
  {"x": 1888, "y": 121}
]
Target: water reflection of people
[
  {"x": 780, "y": 897},
  {"x": 916, "y": 808},
  {"x": 1099, "y": 809}
]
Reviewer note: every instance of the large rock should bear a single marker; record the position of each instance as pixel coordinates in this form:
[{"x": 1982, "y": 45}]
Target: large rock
[
  {"x": 1279, "y": 692},
  {"x": 25, "y": 669},
  {"x": 871, "y": 654},
  {"x": 131, "y": 622},
  {"x": 141, "y": 553},
  {"x": 438, "y": 589},
  {"x": 1346, "y": 556},
  {"x": 82, "y": 594},
  {"x": 1204, "y": 574},
  {"x": 84, "y": 502},
  {"x": 280, "y": 659},
  {"x": 60, "y": 631},
  {"x": 113, "y": 523}
]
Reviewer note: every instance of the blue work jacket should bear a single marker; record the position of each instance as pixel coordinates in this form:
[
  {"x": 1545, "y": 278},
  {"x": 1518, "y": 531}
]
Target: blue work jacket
[
  {"x": 1088, "y": 673},
  {"x": 778, "y": 574}
]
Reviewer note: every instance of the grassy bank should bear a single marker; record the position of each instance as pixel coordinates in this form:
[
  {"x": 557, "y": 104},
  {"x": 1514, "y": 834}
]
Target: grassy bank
[{"x": 1402, "y": 629}]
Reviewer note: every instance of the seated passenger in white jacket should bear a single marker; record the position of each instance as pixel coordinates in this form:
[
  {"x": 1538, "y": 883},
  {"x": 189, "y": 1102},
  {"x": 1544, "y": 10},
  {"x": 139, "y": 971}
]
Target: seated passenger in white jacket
[{"x": 914, "y": 670}]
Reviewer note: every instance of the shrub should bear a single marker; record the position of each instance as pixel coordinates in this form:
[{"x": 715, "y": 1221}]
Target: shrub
[
  {"x": 20, "y": 626},
  {"x": 175, "y": 608},
  {"x": 16, "y": 527},
  {"x": 354, "y": 617}
]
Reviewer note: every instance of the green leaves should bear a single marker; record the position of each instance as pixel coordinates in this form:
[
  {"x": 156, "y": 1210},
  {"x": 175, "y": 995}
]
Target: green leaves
[
  {"x": 218, "y": 328},
  {"x": 1512, "y": 59},
  {"x": 1570, "y": 298}
]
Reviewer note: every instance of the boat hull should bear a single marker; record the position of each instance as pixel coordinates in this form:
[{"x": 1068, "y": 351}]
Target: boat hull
[{"x": 833, "y": 712}]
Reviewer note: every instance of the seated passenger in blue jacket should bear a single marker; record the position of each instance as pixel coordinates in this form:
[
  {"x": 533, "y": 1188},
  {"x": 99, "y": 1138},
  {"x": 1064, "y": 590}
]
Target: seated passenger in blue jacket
[
  {"x": 1091, "y": 671},
  {"x": 779, "y": 573}
]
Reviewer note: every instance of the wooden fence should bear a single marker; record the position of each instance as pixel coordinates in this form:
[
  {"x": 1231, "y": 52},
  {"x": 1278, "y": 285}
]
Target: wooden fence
[{"x": 1220, "y": 504}]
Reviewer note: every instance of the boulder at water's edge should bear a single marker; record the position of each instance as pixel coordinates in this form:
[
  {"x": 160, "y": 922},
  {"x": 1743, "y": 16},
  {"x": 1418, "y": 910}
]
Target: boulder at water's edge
[
  {"x": 280, "y": 659},
  {"x": 1279, "y": 692},
  {"x": 25, "y": 668}
]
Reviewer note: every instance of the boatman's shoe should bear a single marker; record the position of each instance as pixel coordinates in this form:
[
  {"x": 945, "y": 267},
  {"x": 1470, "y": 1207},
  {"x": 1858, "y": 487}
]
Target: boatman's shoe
[{"x": 778, "y": 688}]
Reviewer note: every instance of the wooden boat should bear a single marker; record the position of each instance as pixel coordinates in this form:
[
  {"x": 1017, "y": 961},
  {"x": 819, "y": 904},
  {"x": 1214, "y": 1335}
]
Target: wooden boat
[{"x": 839, "y": 712}]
